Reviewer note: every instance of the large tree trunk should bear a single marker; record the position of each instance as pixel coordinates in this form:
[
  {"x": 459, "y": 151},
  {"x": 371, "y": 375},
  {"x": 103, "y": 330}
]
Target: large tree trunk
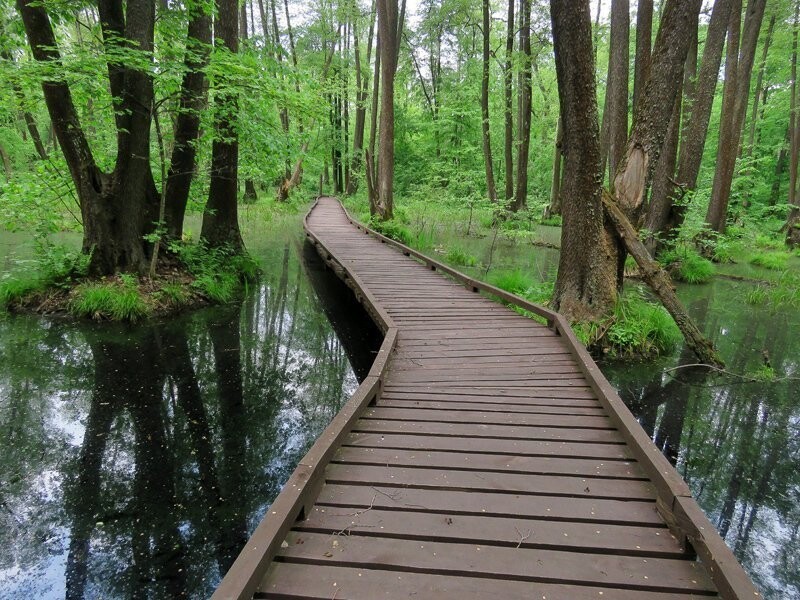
[
  {"x": 372, "y": 174},
  {"x": 524, "y": 107},
  {"x": 659, "y": 282},
  {"x": 644, "y": 34},
  {"x": 694, "y": 134},
  {"x": 187, "y": 125},
  {"x": 617, "y": 90},
  {"x": 362, "y": 84},
  {"x": 221, "y": 219},
  {"x": 585, "y": 287},
  {"x": 389, "y": 36},
  {"x": 117, "y": 209},
  {"x": 734, "y": 107},
  {"x": 491, "y": 190},
  {"x": 508, "y": 146}
]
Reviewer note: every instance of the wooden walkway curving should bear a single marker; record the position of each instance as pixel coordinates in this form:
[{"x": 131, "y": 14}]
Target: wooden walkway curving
[{"x": 484, "y": 456}]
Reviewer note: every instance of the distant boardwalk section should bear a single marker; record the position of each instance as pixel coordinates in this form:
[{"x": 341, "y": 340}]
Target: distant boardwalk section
[{"x": 485, "y": 456}]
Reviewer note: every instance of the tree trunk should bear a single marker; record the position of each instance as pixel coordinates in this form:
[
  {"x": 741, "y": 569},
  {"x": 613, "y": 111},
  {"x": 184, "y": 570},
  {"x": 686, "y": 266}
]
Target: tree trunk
[
  {"x": 508, "y": 146},
  {"x": 617, "y": 90},
  {"x": 524, "y": 116},
  {"x": 555, "y": 182},
  {"x": 373, "y": 127},
  {"x": 6, "y": 162},
  {"x": 694, "y": 136},
  {"x": 734, "y": 107},
  {"x": 659, "y": 282},
  {"x": 491, "y": 190},
  {"x": 220, "y": 219},
  {"x": 389, "y": 35},
  {"x": 780, "y": 167},
  {"x": 187, "y": 126},
  {"x": 116, "y": 208},
  {"x": 793, "y": 220},
  {"x": 660, "y": 199},
  {"x": 585, "y": 287},
  {"x": 362, "y": 83},
  {"x": 644, "y": 35},
  {"x": 759, "y": 86}
]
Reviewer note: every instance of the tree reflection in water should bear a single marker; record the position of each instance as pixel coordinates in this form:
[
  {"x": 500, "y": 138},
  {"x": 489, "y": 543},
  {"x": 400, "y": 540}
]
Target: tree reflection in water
[
  {"x": 136, "y": 461},
  {"x": 736, "y": 443}
]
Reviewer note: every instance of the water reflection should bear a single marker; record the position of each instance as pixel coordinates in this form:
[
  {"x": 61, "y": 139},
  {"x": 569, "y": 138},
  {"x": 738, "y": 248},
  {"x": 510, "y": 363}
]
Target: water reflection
[
  {"x": 136, "y": 461},
  {"x": 737, "y": 443}
]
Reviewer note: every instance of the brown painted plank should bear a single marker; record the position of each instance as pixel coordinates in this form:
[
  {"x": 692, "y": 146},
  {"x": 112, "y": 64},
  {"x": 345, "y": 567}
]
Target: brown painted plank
[
  {"x": 499, "y": 463},
  {"x": 489, "y": 431},
  {"x": 490, "y": 445},
  {"x": 389, "y": 402},
  {"x": 550, "y": 485},
  {"x": 480, "y": 418},
  {"x": 477, "y": 560},
  {"x": 287, "y": 581},
  {"x": 623, "y": 541},
  {"x": 521, "y": 401}
]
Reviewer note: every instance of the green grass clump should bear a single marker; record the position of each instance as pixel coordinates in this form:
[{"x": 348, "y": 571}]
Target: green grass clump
[
  {"x": 174, "y": 294},
  {"x": 219, "y": 287},
  {"x": 459, "y": 256},
  {"x": 554, "y": 221},
  {"x": 114, "y": 300},
  {"x": 685, "y": 264},
  {"x": 17, "y": 286},
  {"x": 767, "y": 242},
  {"x": 392, "y": 230},
  {"x": 641, "y": 328},
  {"x": 758, "y": 295},
  {"x": 514, "y": 281},
  {"x": 218, "y": 272},
  {"x": 774, "y": 261}
]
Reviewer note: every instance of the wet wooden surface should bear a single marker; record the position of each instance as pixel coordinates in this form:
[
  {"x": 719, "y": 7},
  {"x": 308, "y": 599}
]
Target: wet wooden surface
[{"x": 486, "y": 468}]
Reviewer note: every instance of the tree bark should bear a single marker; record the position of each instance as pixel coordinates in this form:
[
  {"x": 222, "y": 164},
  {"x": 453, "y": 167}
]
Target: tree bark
[
  {"x": 734, "y": 107},
  {"x": 187, "y": 126},
  {"x": 362, "y": 84},
  {"x": 117, "y": 208},
  {"x": 793, "y": 220},
  {"x": 694, "y": 136},
  {"x": 759, "y": 86},
  {"x": 585, "y": 287},
  {"x": 389, "y": 35},
  {"x": 617, "y": 90},
  {"x": 554, "y": 207},
  {"x": 220, "y": 219},
  {"x": 780, "y": 167},
  {"x": 373, "y": 128},
  {"x": 491, "y": 190},
  {"x": 6, "y": 162},
  {"x": 644, "y": 35},
  {"x": 659, "y": 282},
  {"x": 508, "y": 147},
  {"x": 524, "y": 106}
]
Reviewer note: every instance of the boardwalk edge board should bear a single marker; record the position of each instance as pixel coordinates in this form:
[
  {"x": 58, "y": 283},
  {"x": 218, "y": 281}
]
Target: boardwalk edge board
[{"x": 674, "y": 502}]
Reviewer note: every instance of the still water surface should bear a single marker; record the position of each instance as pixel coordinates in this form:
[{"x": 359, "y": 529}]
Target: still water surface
[{"x": 135, "y": 461}]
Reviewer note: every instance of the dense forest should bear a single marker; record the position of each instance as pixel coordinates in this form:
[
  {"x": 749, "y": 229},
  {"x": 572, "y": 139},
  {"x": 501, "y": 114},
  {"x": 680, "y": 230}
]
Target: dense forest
[{"x": 644, "y": 129}]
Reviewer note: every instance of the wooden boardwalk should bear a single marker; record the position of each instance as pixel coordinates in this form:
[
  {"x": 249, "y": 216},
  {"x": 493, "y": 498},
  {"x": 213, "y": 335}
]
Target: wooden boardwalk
[{"x": 485, "y": 456}]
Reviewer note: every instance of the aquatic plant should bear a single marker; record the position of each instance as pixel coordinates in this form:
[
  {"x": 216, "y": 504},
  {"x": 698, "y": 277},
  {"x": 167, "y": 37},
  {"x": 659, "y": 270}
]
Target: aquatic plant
[
  {"x": 686, "y": 264},
  {"x": 113, "y": 299},
  {"x": 774, "y": 261},
  {"x": 459, "y": 256}
]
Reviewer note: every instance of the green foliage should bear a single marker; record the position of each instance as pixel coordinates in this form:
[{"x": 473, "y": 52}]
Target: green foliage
[
  {"x": 514, "y": 281},
  {"x": 554, "y": 221},
  {"x": 685, "y": 264},
  {"x": 393, "y": 230},
  {"x": 14, "y": 287},
  {"x": 114, "y": 299},
  {"x": 219, "y": 272},
  {"x": 460, "y": 257},
  {"x": 640, "y": 328},
  {"x": 174, "y": 293},
  {"x": 774, "y": 261},
  {"x": 757, "y": 296},
  {"x": 764, "y": 373}
]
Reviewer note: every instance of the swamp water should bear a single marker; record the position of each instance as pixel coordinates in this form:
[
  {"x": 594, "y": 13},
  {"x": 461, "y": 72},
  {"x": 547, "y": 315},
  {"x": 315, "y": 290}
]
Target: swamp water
[{"x": 134, "y": 462}]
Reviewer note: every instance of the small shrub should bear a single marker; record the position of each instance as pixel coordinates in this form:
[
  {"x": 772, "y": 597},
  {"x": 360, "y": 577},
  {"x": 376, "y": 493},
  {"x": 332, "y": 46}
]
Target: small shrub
[
  {"x": 774, "y": 261},
  {"x": 392, "y": 230},
  {"x": 687, "y": 265},
  {"x": 554, "y": 221},
  {"x": 458, "y": 256}
]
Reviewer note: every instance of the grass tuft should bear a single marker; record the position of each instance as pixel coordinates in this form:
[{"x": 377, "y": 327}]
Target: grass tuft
[
  {"x": 685, "y": 264},
  {"x": 774, "y": 261},
  {"x": 117, "y": 300},
  {"x": 641, "y": 329},
  {"x": 460, "y": 257}
]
